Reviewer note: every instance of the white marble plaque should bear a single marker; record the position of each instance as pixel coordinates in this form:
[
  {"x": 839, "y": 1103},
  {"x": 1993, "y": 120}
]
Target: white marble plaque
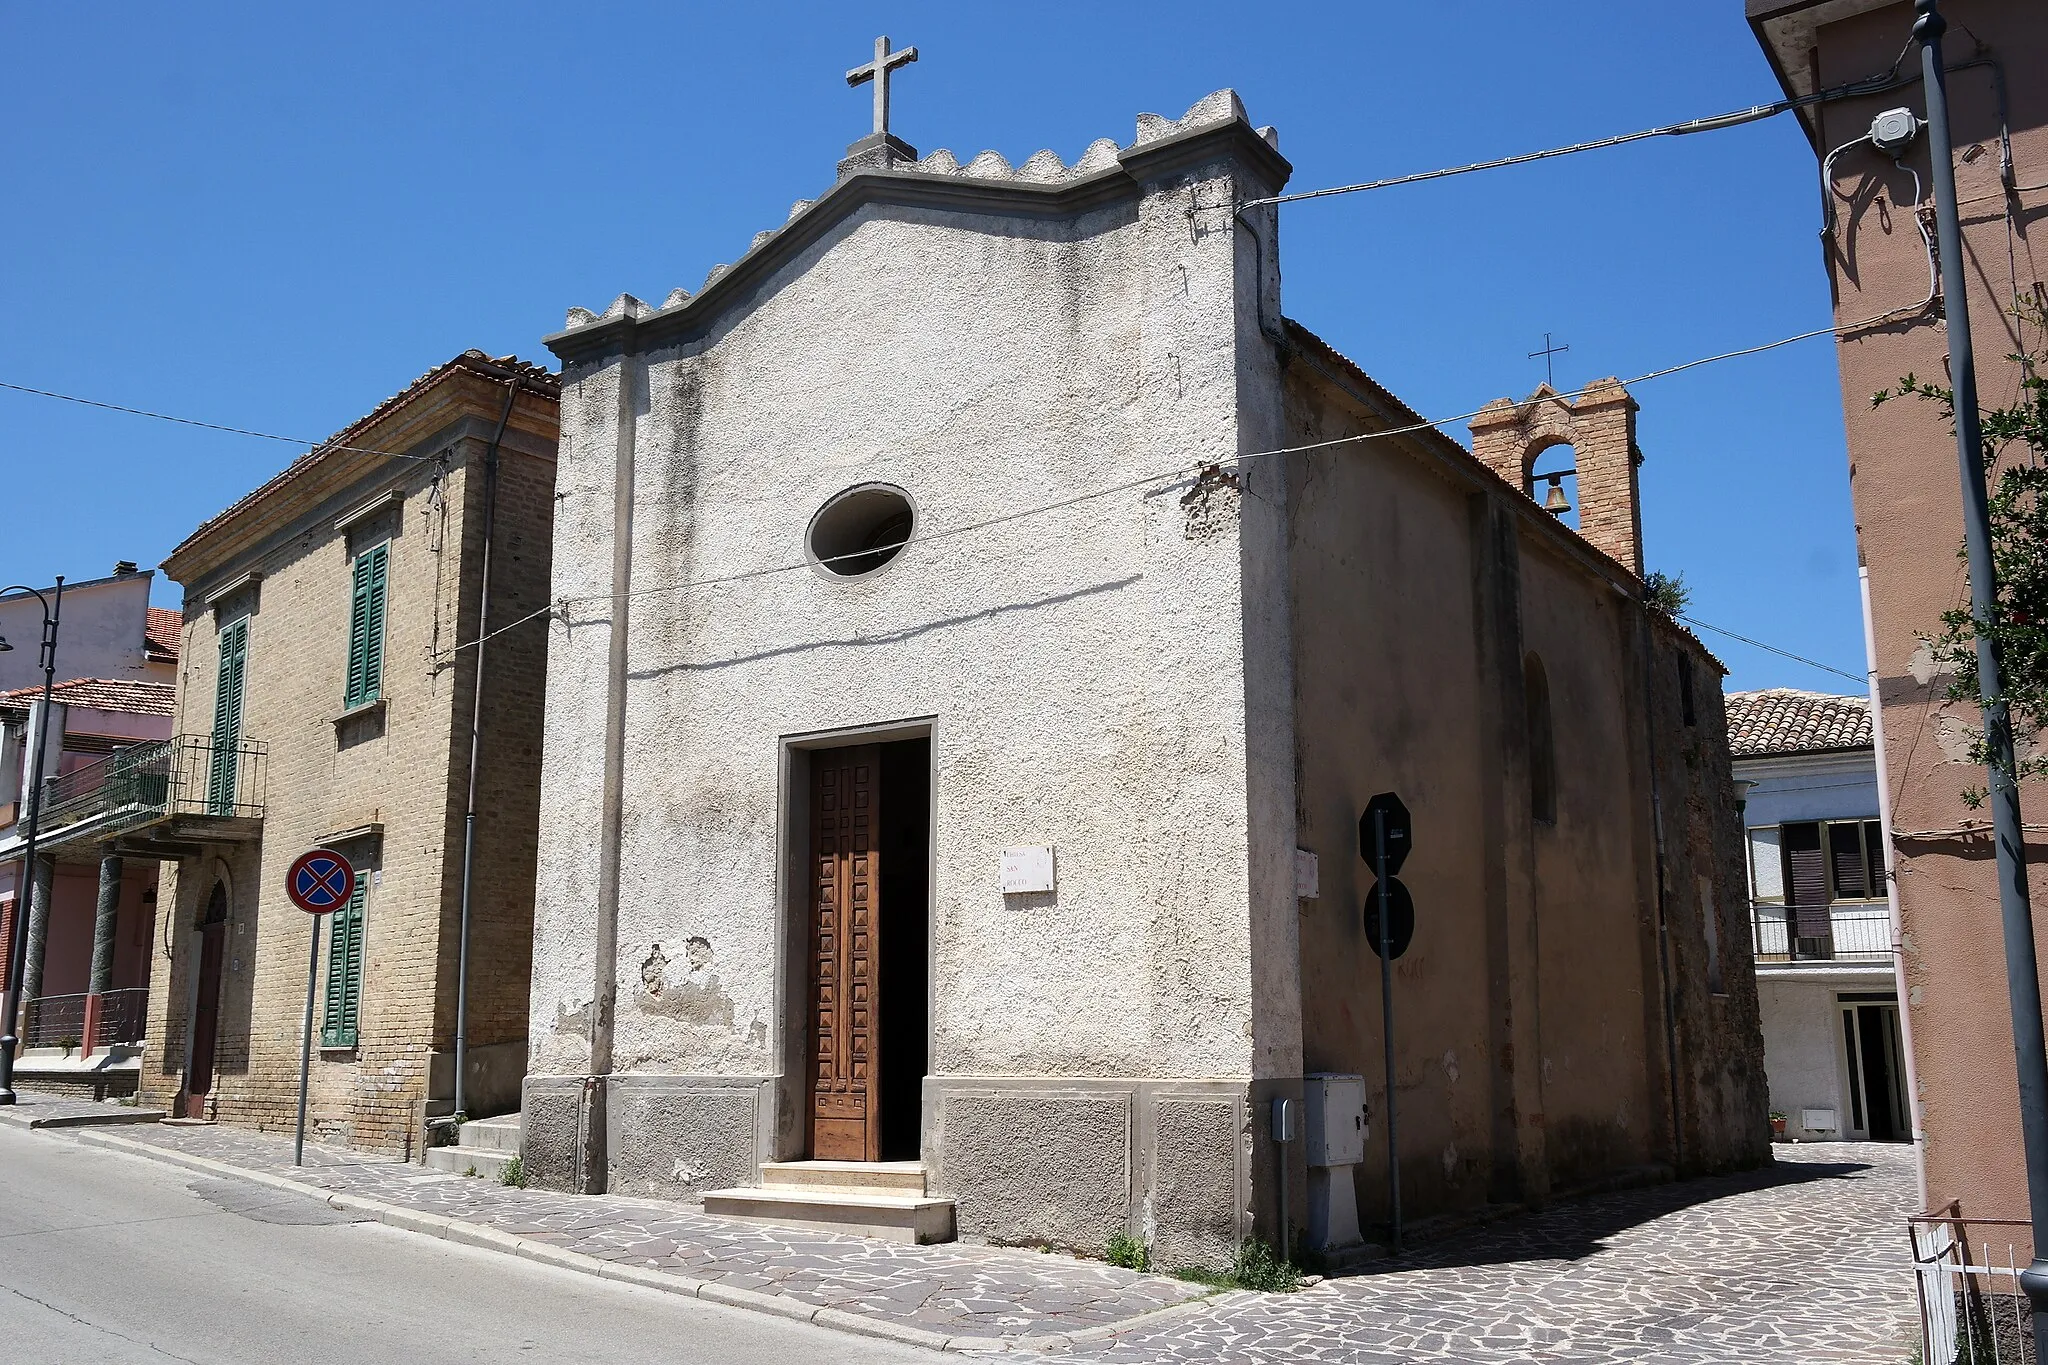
[
  {"x": 1028, "y": 869},
  {"x": 1308, "y": 881}
]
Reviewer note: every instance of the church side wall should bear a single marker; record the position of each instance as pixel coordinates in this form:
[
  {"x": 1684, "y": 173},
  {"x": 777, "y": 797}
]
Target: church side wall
[
  {"x": 1603, "y": 1111},
  {"x": 1092, "y": 1049},
  {"x": 1388, "y": 698},
  {"x": 1529, "y": 1010}
]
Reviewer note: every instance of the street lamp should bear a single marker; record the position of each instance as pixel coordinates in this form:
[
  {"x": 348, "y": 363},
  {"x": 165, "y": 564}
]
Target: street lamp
[{"x": 17, "y": 946}]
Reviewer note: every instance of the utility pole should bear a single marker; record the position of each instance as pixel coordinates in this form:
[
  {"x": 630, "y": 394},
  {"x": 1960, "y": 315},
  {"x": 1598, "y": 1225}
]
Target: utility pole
[{"x": 2022, "y": 973}]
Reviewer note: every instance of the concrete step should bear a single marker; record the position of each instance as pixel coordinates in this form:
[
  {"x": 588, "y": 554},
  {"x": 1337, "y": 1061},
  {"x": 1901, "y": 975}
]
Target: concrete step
[
  {"x": 890, "y": 1217},
  {"x": 497, "y": 1135},
  {"x": 484, "y": 1162},
  {"x": 846, "y": 1177}
]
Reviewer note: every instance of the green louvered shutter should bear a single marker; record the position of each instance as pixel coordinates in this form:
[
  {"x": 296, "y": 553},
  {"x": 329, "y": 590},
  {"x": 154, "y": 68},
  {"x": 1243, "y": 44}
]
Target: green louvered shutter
[
  {"x": 227, "y": 718},
  {"x": 344, "y": 970},
  {"x": 366, "y": 627}
]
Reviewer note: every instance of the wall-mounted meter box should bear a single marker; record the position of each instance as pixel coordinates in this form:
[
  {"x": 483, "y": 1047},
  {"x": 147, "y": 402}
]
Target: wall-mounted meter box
[{"x": 1333, "y": 1121}]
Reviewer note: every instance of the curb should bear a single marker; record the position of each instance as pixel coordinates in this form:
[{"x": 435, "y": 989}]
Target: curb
[
  {"x": 13, "y": 1117},
  {"x": 777, "y": 1305}
]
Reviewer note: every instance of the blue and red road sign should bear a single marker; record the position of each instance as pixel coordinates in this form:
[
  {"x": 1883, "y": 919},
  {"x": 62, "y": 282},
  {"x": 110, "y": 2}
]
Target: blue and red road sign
[{"x": 320, "y": 881}]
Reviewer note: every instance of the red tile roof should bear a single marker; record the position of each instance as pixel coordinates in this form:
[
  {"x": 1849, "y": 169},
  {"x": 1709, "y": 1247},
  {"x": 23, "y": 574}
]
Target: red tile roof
[
  {"x": 1785, "y": 720},
  {"x": 132, "y": 695},
  {"x": 162, "y": 634}
]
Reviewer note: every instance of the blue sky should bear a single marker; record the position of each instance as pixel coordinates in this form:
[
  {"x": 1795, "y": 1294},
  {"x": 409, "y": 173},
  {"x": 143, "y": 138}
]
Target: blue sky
[{"x": 276, "y": 216}]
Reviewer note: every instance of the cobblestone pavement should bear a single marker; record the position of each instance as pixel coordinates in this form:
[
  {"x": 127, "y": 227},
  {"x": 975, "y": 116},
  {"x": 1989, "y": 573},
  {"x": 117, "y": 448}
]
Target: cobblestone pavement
[{"x": 1805, "y": 1262}]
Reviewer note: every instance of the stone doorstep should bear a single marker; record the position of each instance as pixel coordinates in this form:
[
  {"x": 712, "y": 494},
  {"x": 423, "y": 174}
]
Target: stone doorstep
[
  {"x": 886, "y": 1217},
  {"x": 496, "y": 1135},
  {"x": 489, "y": 1164},
  {"x": 846, "y": 1177}
]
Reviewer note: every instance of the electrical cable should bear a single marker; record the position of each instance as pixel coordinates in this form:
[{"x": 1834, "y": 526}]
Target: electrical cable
[
  {"x": 1796, "y": 658},
  {"x": 561, "y": 606},
  {"x": 1869, "y": 85},
  {"x": 210, "y": 426}
]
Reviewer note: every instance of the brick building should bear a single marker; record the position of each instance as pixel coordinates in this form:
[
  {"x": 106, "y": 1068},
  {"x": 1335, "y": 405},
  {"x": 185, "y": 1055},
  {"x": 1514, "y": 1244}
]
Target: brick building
[{"x": 325, "y": 699}]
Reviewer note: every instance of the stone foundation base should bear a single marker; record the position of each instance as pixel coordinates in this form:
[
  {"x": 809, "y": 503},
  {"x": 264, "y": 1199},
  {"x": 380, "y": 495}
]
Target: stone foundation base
[{"x": 1066, "y": 1162}]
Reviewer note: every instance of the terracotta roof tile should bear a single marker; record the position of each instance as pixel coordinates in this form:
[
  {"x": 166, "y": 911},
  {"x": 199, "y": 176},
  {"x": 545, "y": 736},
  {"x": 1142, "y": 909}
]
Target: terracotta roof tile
[
  {"x": 1785, "y": 720},
  {"x": 162, "y": 634},
  {"x": 133, "y": 695}
]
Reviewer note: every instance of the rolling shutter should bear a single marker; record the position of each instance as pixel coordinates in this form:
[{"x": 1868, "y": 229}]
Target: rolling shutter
[
  {"x": 1806, "y": 878},
  {"x": 366, "y": 627},
  {"x": 1845, "y": 857},
  {"x": 1873, "y": 852},
  {"x": 345, "y": 970}
]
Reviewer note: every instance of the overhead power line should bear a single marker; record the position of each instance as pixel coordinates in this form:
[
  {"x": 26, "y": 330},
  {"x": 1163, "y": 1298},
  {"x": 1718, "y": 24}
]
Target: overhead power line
[
  {"x": 1869, "y": 85},
  {"x": 1773, "y": 649},
  {"x": 195, "y": 422}
]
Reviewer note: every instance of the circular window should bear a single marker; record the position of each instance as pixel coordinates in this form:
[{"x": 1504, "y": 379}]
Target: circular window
[{"x": 862, "y": 529}]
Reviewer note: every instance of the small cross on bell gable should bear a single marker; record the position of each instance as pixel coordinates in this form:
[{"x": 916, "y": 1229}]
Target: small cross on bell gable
[{"x": 880, "y": 149}]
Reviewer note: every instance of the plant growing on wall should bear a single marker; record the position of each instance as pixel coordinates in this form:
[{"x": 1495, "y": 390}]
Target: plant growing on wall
[
  {"x": 2015, "y": 452},
  {"x": 1667, "y": 593}
]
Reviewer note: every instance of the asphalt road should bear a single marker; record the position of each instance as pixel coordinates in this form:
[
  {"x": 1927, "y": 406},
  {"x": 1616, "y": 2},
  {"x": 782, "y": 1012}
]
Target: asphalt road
[{"x": 109, "y": 1258}]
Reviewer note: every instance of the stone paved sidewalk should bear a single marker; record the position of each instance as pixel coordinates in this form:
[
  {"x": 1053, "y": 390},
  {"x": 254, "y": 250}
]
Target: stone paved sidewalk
[
  {"x": 966, "y": 1295},
  {"x": 1805, "y": 1262}
]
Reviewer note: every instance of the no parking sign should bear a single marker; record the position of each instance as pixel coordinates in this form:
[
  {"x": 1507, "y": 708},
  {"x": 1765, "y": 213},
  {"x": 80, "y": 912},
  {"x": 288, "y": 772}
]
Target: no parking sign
[{"x": 320, "y": 881}]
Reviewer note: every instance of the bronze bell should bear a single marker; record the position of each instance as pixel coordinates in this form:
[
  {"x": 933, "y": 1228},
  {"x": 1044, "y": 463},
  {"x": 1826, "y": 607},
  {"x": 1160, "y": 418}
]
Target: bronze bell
[{"x": 1554, "y": 502}]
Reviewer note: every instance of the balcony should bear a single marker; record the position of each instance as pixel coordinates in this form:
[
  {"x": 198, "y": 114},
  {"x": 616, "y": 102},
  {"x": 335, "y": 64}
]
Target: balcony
[
  {"x": 164, "y": 798},
  {"x": 1846, "y": 931}
]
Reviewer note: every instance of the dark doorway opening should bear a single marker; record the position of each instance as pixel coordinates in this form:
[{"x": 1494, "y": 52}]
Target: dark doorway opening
[
  {"x": 213, "y": 936},
  {"x": 1878, "y": 1106},
  {"x": 905, "y": 978}
]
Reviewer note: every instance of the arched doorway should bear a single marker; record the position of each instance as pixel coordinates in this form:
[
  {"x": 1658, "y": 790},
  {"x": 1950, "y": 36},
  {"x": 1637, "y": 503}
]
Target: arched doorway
[{"x": 213, "y": 936}]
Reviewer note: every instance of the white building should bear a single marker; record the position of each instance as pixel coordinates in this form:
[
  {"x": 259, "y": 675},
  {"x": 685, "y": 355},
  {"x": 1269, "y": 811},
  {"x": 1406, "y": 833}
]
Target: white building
[{"x": 1819, "y": 914}]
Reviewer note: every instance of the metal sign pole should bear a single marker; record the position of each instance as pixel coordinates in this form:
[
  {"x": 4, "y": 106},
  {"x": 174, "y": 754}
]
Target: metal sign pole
[
  {"x": 306, "y": 1043},
  {"x": 1379, "y": 839}
]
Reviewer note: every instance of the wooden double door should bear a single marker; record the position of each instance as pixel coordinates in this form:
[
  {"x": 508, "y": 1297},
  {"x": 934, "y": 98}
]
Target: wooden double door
[
  {"x": 868, "y": 908},
  {"x": 846, "y": 862}
]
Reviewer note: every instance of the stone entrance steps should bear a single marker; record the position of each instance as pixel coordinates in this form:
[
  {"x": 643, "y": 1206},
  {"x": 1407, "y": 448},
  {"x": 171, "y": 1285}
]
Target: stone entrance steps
[
  {"x": 883, "y": 1199},
  {"x": 482, "y": 1147}
]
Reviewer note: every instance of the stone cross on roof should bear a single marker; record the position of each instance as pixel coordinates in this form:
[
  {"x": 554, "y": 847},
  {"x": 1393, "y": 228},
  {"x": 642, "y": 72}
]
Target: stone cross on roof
[{"x": 880, "y": 149}]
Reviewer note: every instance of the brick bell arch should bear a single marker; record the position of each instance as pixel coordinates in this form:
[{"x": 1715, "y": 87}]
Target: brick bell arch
[{"x": 1600, "y": 427}]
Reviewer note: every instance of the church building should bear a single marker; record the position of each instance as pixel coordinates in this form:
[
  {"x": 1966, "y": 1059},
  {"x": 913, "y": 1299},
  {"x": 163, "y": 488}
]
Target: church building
[{"x": 982, "y": 617}]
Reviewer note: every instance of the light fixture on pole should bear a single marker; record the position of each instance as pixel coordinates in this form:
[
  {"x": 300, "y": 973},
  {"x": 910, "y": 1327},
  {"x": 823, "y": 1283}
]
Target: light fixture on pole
[{"x": 17, "y": 945}]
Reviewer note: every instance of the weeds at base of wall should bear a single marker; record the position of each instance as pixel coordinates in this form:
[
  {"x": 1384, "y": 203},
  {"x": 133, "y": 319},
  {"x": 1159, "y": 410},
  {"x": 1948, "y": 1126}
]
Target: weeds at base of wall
[
  {"x": 1128, "y": 1252},
  {"x": 470, "y": 1173},
  {"x": 513, "y": 1174},
  {"x": 1256, "y": 1267}
]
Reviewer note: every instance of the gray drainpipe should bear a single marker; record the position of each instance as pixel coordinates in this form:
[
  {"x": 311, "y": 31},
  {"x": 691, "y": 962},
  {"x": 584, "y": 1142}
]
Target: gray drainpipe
[{"x": 476, "y": 720}]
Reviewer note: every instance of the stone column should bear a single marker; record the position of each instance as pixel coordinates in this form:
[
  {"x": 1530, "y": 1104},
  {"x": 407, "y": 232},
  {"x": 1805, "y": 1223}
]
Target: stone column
[
  {"x": 106, "y": 916},
  {"x": 42, "y": 888}
]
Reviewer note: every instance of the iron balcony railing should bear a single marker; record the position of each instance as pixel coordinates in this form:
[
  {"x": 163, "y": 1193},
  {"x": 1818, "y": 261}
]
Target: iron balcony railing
[
  {"x": 187, "y": 775},
  {"x": 1847, "y": 931},
  {"x": 59, "y": 1020}
]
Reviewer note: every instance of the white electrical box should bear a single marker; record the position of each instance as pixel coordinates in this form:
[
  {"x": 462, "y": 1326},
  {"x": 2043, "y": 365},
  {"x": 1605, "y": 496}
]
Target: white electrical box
[
  {"x": 1025, "y": 870},
  {"x": 1817, "y": 1120},
  {"x": 1334, "y": 1119}
]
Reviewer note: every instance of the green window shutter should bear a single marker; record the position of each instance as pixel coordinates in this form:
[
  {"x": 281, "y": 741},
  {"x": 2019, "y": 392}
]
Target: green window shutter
[
  {"x": 366, "y": 627},
  {"x": 344, "y": 970},
  {"x": 227, "y": 718}
]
